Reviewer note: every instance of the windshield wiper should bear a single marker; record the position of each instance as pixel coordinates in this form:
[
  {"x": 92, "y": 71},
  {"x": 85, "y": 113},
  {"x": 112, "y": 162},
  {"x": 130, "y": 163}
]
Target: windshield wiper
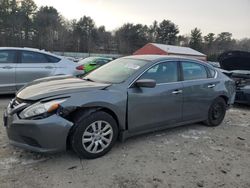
[{"x": 88, "y": 79}]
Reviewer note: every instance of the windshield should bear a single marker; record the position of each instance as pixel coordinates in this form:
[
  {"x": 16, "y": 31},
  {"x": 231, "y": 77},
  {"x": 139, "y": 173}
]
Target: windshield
[{"x": 116, "y": 71}]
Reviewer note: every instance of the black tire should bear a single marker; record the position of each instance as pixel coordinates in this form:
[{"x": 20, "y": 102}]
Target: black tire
[
  {"x": 216, "y": 112},
  {"x": 83, "y": 124}
]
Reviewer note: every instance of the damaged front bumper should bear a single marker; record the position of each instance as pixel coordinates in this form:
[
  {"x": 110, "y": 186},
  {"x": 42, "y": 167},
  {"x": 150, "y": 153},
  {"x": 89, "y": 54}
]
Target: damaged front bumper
[{"x": 40, "y": 135}]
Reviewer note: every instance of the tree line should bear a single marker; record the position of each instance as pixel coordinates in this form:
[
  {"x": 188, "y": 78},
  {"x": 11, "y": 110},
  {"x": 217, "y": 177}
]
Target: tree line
[{"x": 22, "y": 23}]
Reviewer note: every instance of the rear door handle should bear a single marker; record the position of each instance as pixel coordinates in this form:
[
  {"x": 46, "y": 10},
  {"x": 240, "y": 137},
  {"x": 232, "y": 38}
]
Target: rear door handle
[
  {"x": 7, "y": 67},
  {"x": 211, "y": 86},
  {"x": 177, "y": 91},
  {"x": 48, "y": 67}
]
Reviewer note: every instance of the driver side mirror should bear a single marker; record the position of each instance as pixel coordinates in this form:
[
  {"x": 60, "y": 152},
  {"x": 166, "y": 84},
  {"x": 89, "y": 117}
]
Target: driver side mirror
[{"x": 149, "y": 83}]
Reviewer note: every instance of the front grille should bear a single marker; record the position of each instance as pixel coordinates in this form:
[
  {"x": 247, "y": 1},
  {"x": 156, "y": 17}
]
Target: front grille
[{"x": 16, "y": 105}]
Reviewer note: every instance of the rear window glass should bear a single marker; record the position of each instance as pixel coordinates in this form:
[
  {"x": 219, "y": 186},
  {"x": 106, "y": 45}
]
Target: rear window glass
[
  {"x": 52, "y": 59},
  {"x": 87, "y": 60},
  {"x": 7, "y": 56},
  {"x": 33, "y": 57},
  {"x": 193, "y": 71}
]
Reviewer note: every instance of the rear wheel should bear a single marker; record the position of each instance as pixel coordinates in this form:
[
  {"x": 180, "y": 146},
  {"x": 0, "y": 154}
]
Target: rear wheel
[
  {"x": 216, "y": 112},
  {"x": 94, "y": 135}
]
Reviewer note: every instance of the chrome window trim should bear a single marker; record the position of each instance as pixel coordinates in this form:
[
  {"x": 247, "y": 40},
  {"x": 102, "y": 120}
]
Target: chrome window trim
[
  {"x": 216, "y": 73},
  {"x": 185, "y": 81},
  {"x": 167, "y": 83},
  {"x": 215, "y": 76}
]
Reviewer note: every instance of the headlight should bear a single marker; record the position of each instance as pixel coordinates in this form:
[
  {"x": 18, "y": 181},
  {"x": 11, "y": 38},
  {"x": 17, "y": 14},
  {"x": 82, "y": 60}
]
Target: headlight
[{"x": 41, "y": 108}]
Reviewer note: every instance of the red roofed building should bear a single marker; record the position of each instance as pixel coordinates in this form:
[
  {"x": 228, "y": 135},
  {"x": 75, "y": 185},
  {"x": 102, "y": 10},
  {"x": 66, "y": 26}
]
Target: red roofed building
[{"x": 163, "y": 49}]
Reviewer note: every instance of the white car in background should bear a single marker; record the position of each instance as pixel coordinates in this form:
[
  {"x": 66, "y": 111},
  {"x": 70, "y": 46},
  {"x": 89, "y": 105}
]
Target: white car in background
[{"x": 19, "y": 66}]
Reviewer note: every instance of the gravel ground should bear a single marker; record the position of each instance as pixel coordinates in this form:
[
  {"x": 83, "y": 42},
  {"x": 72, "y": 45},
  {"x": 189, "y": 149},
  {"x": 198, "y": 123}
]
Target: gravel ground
[{"x": 189, "y": 156}]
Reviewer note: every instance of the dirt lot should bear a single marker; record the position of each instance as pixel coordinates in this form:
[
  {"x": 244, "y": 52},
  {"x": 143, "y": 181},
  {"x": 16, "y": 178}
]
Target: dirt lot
[{"x": 190, "y": 156}]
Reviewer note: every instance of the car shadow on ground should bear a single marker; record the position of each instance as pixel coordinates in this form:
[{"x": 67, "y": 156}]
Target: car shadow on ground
[
  {"x": 241, "y": 106},
  {"x": 168, "y": 132}
]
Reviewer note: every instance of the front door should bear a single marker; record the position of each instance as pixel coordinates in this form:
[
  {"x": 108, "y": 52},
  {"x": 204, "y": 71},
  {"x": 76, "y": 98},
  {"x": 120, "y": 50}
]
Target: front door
[
  {"x": 7, "y": 71},
  {"x": 155, "y": 107}
]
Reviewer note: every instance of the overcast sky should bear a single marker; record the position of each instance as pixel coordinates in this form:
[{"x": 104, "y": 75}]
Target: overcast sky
[{"x": 209, "y": 15}]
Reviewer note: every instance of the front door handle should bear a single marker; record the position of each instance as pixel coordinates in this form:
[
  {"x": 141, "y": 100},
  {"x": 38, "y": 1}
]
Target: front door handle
[
  {"x": 177, "y": 91},
  {"x": 7, "y": 67},
  {"x": 211, "y": 86}
]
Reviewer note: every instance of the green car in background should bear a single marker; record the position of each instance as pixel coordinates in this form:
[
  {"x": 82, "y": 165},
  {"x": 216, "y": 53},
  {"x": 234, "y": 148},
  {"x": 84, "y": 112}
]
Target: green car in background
[{"x": 90, "y": 63}]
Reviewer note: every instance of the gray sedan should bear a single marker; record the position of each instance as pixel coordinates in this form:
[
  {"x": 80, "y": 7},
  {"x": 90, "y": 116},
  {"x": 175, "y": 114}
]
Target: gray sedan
[
  {"x": 19, "y": 66},
  {"x": 126, "y": 97}
]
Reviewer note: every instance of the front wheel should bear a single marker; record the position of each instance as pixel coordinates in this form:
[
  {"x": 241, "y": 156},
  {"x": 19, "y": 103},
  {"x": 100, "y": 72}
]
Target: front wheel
[
  {"x": 94, "y": 135},
  {"x": 216, "y": 112}
]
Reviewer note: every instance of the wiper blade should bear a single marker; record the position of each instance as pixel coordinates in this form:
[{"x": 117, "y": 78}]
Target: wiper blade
[{"x": 88, "y": 79}]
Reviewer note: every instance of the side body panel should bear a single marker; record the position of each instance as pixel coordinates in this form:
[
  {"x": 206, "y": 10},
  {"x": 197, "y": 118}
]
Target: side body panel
[
  {"x": 113, "y": 100},
  {"x": 27, "y": 72},
  {"x": 197, "y": 98},
  {"x": 66, "y": 67},
  {"x": 152, "y": 107}
]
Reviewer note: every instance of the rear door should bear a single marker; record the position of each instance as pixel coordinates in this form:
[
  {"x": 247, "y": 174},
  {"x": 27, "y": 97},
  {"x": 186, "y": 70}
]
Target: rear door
[
  {"x": 198, "y": 90},
  {"x": 32, "y": 65},
  {"x": 8, "y": 61},
  {"x": 149, "y": 108}
]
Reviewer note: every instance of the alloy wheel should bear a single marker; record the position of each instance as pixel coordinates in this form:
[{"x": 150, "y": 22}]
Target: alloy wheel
[{"x": 97, "y": 136}]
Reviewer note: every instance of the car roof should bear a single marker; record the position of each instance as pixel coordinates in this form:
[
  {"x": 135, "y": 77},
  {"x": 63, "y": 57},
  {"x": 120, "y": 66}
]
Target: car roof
[
  {"x": 156, "y": 58},
  {"x": 29, "y": 49}
]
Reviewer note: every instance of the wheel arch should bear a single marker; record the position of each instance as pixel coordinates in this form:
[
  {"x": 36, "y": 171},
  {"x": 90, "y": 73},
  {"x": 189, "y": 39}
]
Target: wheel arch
[
  {"x": 86, "y": 111},
  {"x": 226, "y": 98}
]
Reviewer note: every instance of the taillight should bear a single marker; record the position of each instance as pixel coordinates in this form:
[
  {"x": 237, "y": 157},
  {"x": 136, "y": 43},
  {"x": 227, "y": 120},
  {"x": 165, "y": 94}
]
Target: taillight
[{"x": 81, "y": 67}]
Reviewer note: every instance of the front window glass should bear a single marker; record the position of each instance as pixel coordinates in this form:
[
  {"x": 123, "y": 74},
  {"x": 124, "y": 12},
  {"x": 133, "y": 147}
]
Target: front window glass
[
  {"x": 193, "y": 71},
  {"x": 162, "y": 73},
  {"x": 116, "y": 71}
]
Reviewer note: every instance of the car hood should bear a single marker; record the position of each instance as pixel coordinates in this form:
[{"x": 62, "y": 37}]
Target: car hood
[
  {"x": 53, "y": 86},
  {"x": 235, "y": 60}
]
